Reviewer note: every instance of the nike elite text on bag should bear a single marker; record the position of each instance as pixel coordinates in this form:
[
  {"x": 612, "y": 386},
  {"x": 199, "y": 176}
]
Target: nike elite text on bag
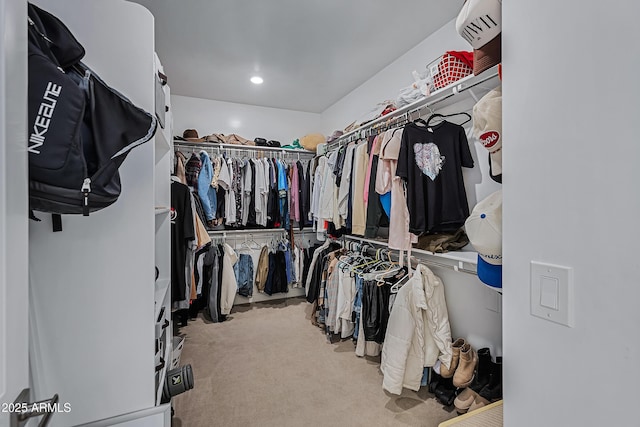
[{"x": 80, "y": 129}]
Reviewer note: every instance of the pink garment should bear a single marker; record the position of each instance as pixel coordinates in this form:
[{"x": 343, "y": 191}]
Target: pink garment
[
  {"x": 375, "y": 149},
  {"x": 294, "y": 213},
  {"x": 386, "y": 180}
]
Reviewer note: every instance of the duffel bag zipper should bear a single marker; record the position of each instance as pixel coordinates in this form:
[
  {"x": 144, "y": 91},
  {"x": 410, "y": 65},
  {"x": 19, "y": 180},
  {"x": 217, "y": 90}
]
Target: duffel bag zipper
[
  {"x": 33, "y": 24},
  {"x": 86, "y": 189}
]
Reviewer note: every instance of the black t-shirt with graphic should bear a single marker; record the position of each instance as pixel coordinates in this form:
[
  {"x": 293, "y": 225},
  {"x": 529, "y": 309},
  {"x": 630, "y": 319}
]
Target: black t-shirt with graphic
[
  {"x": 182, "y": 231},
  {"x": 430, "y": 162}
]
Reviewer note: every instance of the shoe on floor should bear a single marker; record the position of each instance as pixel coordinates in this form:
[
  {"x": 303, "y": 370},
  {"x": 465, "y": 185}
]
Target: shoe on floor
[
  {"x": 466, "y": 367},
  {"x": 493, "y": 390},
  {"x": 464, "y": 400},
  {"x": 445, "y": 391},
  {"x": 478, "y": 403},
  {"x": 455, "y": 349}
]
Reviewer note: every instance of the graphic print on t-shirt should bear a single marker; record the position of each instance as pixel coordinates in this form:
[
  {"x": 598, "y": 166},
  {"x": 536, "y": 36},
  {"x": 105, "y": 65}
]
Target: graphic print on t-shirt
[{"x": 428, "y": 159}]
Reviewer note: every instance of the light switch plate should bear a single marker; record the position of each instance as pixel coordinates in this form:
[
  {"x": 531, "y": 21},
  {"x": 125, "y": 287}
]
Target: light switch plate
[
  {"x": 552, "y": 292},
  {"x": 493, "y": 300}
]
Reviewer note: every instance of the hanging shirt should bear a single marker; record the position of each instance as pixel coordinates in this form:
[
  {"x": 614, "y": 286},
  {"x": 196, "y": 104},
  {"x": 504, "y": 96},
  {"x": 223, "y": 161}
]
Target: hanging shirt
[
  {"x": 326, "y": 197},
  {"x": 237, "y": 190},
  {"x": 259, "y": 190},
  {"x": 430, "y": 161},
  {"x": 251, "y": 217},
  {"x": 228, "y": 283},
  {"x": 294, "y": 194},
  {"x": 387, "y": 181},
  {"x": 375, "y": 149},
  {"x": 345, "y": 182},
  {"x": 207, "y": 193},
  {"x": 359, "y": 214},
  {"x": 247, "y": 175},
  {"x": 192, "y": 170},
  {"x": 267, "y": 188},
  {"x": 224, "y": 186},
  {"x": 182, "y": 233},
  {"x": 302, "y": 195},
  {"x": 230, "y": 206},
  {"x": 317, "y": 188}
]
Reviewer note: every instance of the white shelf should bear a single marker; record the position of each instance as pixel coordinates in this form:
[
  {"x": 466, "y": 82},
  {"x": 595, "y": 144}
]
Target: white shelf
[
  {"x": 449, "y": 95},
  {"x": 167, "y": 361},
  {"x": 161, "y": 288},
  {"x": 163, "y": 145},
  {"x": 161, "y": 210},
  {"x": 258, "y": 231},
  {"x": 465, "y": 261},
  {"x": 222, "y": 147}
]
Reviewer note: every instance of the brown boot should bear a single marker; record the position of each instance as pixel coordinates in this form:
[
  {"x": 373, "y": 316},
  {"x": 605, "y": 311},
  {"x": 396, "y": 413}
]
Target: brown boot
[
  {"x": 478, "y": 403},
  {"x": 455, "y": 347},
  {"x": 466, "y": 367},
  {"x": 464, "y": 400}
]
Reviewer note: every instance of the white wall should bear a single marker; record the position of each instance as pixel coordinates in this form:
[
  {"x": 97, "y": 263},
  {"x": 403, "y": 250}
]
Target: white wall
[
  {"x": 571, "y": 198},
  {"x": 248, "y": 121},
  {"x": 387, "y": 83},
  {"x": 14, "y": 290}
]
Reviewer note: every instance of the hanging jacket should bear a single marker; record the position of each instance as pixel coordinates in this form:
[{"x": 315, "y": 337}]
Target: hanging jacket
[
  {"x": 206, "y": 192},
  {"x": 262, "y": 271},
  {"x": 228, "y": 283},
  {"x": 418, "y": 332},
  {"x": 181, "y": 161}
]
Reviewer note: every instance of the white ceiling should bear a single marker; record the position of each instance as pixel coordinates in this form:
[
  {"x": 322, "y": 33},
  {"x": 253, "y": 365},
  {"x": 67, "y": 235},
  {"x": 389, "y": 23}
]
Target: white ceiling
[{"x": 310, "y": 53}]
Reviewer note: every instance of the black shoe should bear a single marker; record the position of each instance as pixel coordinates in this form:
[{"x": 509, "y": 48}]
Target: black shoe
[
  {"x": 493, "y": 390},
  {"x": 483, "y": 375},
  {"x": 446, "y": 392},
  {"x": 434, "y": 380}
]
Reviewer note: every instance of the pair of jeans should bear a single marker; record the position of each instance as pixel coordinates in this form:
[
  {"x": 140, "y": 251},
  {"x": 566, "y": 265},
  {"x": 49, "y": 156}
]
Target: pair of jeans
[
  {"x": 288, "y": 265},
  {"x": 244, "y": 275}
]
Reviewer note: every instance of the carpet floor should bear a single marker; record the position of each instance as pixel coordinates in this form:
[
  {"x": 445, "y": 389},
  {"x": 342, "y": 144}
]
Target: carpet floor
[{"x": 269, "y": 366}]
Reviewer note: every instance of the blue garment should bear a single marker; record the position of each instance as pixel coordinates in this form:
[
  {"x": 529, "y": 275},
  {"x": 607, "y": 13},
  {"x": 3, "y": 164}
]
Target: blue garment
[
  {"x": 283, "y": 184},
  {"x": 385, "y": 200},
  {"x": 425, "y": 376},
  {"x": 283, "y": 188},
  {"x": 244, "y": 275},
  {"x": 206, "y": 192},
  {"x": 287, "y": 261},
  {"x": 357, "y": 305}
]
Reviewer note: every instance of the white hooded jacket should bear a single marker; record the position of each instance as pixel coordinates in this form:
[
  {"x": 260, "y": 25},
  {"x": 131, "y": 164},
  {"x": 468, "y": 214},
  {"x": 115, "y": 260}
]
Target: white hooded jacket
[
  {"x": 418, "y": 332},
  {"x": 229, "y": 284}
]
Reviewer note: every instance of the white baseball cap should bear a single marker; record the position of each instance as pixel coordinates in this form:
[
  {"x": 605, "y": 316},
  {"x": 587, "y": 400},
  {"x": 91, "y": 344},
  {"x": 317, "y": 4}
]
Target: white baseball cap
[
  {"x": 487, "y": 126},
  {"x": 480, "y": 24},
  {"x": 484, "y": 229}
]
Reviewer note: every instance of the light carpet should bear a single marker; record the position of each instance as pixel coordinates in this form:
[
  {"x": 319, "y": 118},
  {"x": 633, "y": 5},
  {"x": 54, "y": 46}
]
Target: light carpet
[{"x": 267, "y": 365}]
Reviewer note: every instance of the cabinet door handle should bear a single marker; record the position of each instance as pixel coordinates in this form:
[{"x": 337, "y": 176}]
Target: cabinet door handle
[{"x": 43, "y": 407}]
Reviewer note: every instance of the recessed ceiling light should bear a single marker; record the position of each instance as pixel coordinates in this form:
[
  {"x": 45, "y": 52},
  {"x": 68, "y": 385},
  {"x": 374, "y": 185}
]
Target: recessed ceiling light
[{"x": 256, "y": 80}]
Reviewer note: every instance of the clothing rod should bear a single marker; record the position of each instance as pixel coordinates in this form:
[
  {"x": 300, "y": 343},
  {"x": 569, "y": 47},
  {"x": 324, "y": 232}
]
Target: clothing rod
[
  {"x": 461, "y": 85},
  {"x": 223, "y": 147},
  {"x": 459, "y": 266},
  {"x": 230, "y": 232}
]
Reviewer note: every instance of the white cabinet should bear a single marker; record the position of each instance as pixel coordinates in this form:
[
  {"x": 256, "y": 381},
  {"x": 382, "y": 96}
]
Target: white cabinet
[
  {"x": 93, "y": 292},
  {"x": 162, "y": 187}
]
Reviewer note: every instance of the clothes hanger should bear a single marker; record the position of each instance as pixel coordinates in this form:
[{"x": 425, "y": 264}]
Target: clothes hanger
[
  {"x": 396, "y": 286},
  {"x": 256, "y": 245},
  {"x": 443, "y": 116},
  {"x": 373, "y": 264}
]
